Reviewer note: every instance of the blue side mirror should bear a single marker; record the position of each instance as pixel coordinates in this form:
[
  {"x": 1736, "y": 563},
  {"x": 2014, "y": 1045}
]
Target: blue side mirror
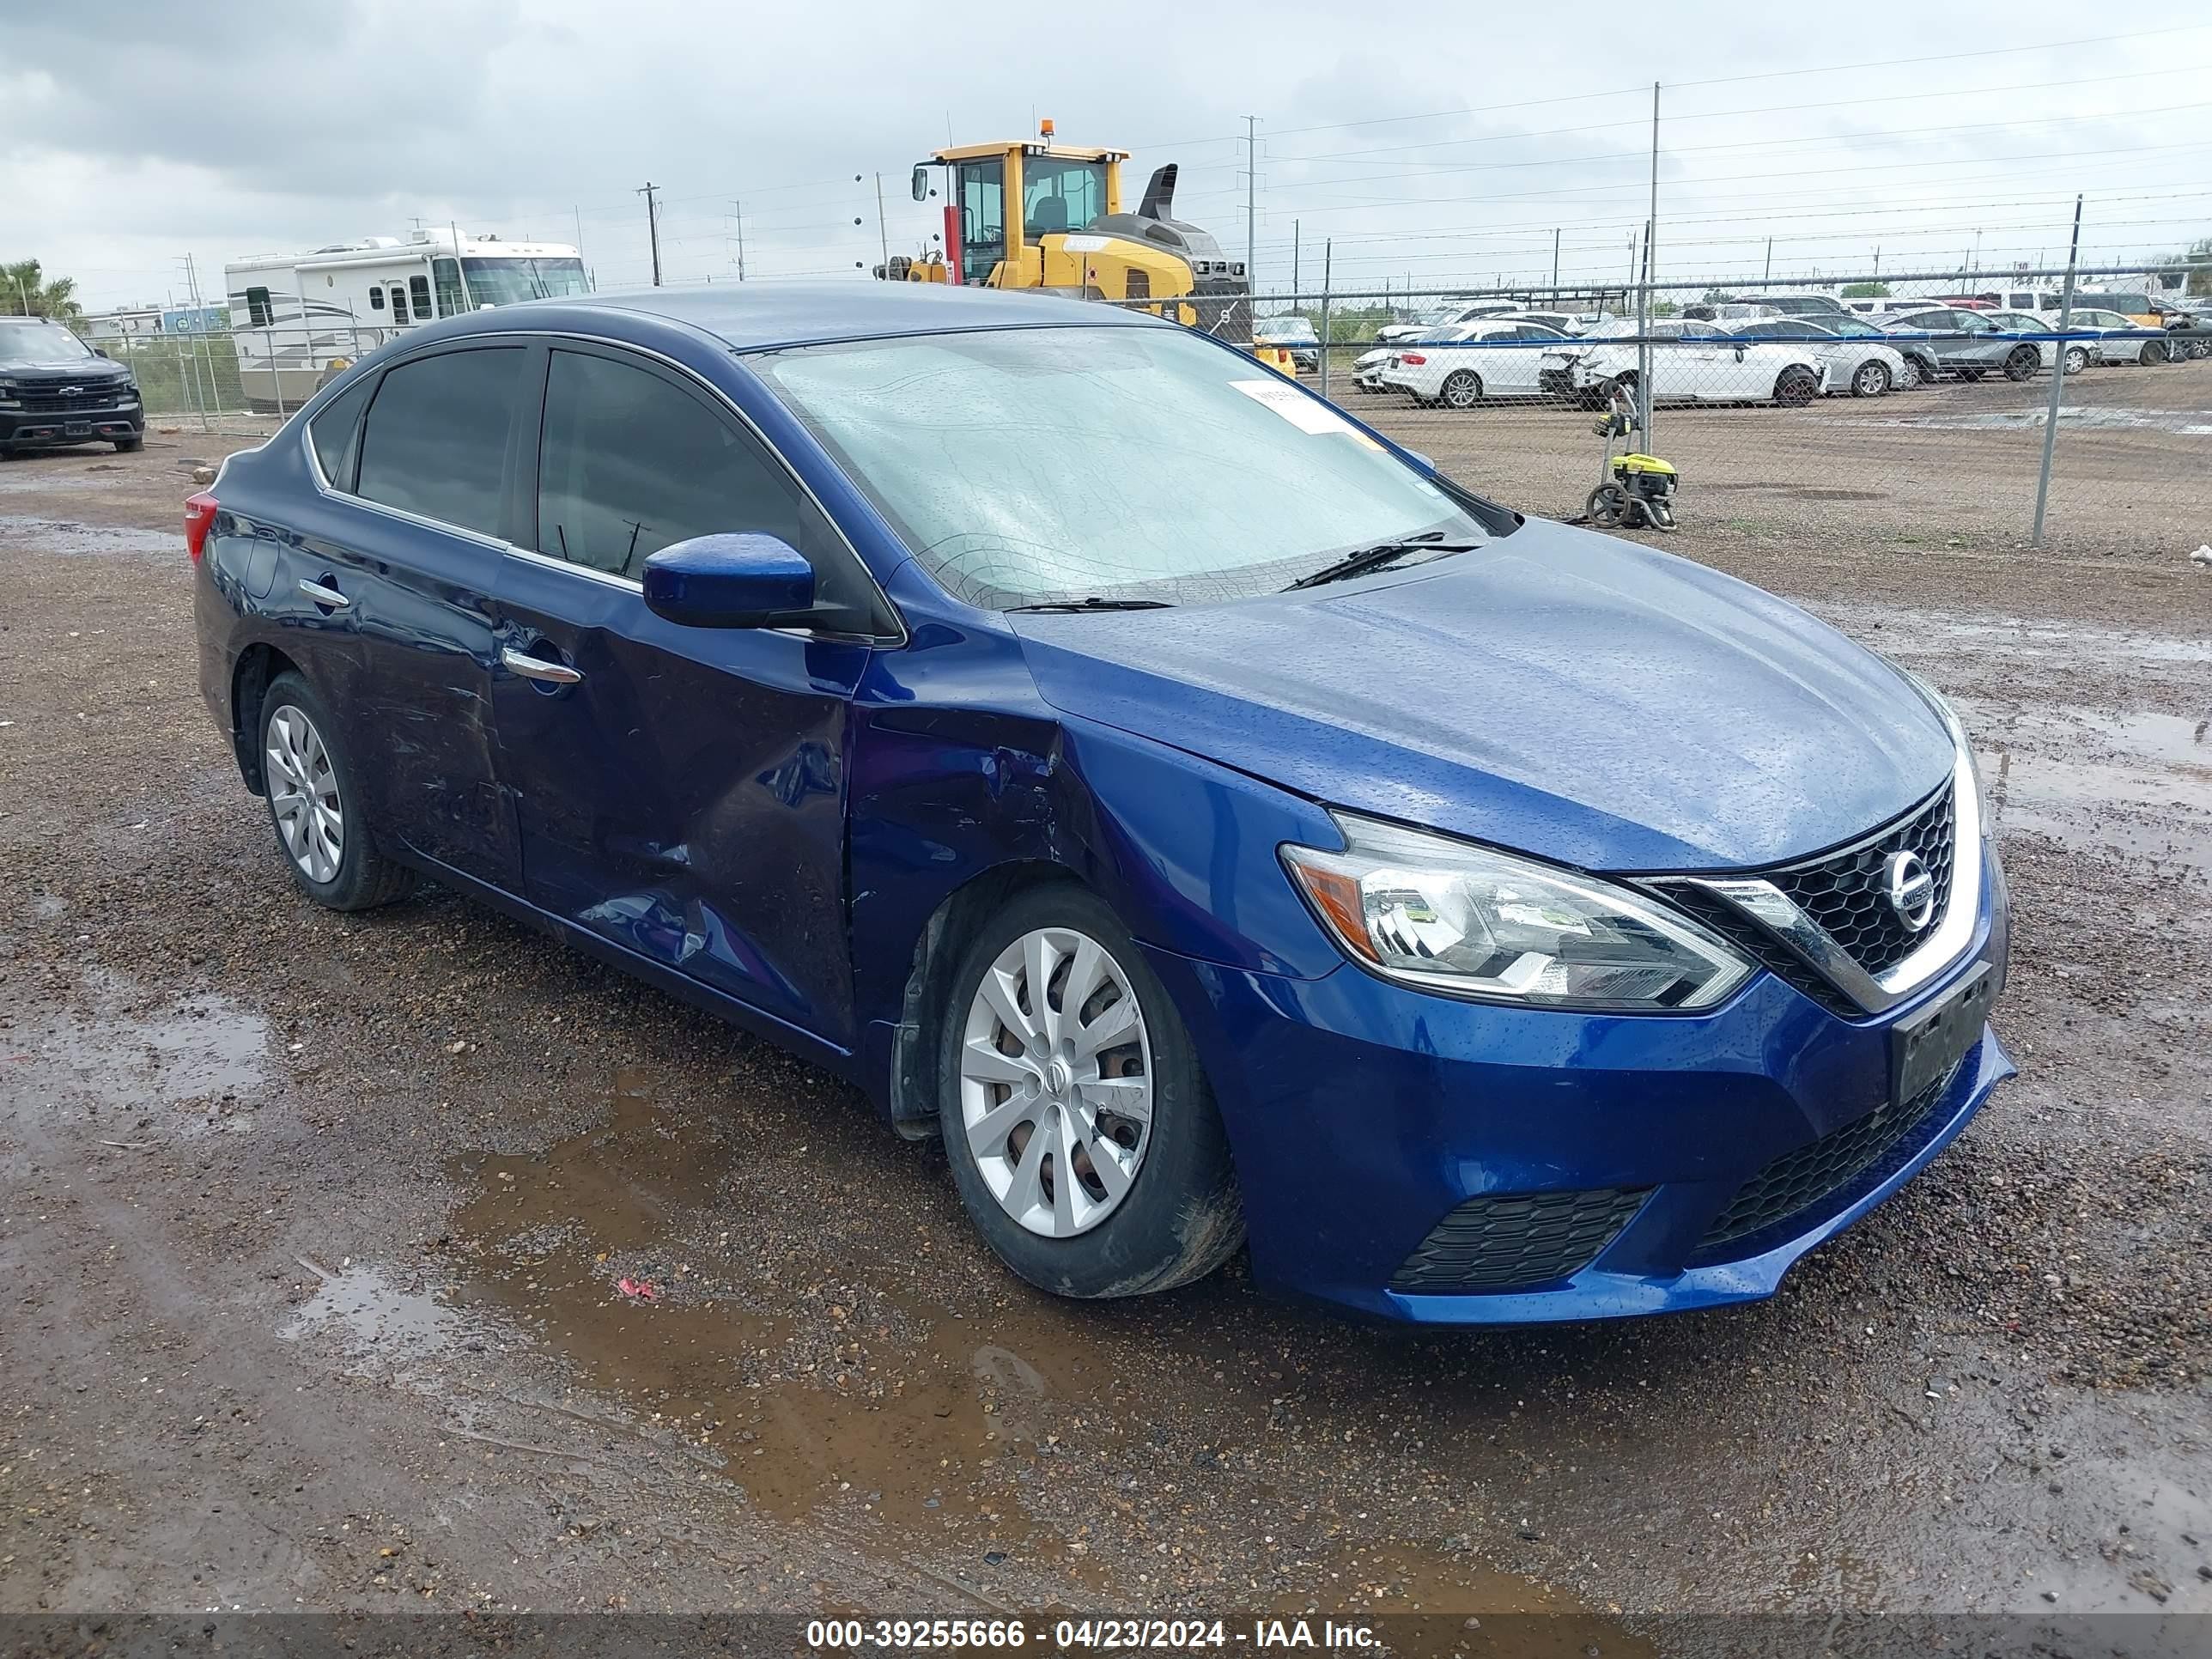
[{"x": 730, "y": 581}]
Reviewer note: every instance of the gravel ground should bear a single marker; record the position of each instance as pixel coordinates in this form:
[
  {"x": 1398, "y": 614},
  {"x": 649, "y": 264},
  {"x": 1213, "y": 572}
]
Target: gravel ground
[{"x": 315, "y": 1229}]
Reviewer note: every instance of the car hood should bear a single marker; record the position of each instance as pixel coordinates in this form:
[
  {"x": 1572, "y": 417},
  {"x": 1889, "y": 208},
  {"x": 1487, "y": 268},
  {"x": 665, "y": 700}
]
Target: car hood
[
  {"x": 60, "y": 368},
  {"x": 1558, "y": 691}
]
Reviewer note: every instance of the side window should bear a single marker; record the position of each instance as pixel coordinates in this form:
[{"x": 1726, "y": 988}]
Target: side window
[
  {"x": 448, "y": 273},
  {"x": 376, "y": 298},
  {"x": 435, "y": 439},
  {"x": 333, "y": 431},
  {"x": 630, "y": 463},
  {"x": 258, "y": 311},
  {"x": 398, "y": 303},
  {"x": 418, "y": 289}
]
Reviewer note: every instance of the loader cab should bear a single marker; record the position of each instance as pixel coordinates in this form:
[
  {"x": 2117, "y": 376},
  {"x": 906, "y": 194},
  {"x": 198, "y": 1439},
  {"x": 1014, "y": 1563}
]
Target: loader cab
[{"x": 1050, "y": 189}]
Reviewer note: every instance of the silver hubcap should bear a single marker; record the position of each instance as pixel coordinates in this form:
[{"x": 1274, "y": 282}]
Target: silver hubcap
[
  {"x": 1056, "y": 1082},
  {"x": 303, "y": 793}
]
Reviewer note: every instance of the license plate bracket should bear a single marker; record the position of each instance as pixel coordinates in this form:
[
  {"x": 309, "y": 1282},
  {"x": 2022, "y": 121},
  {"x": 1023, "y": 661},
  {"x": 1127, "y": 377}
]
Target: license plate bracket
[
  {"x": 76, "y": 428},
  {"x": 1925, "y": 1046}
]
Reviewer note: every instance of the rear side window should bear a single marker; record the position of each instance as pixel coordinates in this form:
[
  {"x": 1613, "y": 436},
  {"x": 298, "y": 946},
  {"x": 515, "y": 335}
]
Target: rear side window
[
  {"x": 435, "y": 439},
  {"x": 333, "y": 431},
  {"x": 630, "y": 463}
]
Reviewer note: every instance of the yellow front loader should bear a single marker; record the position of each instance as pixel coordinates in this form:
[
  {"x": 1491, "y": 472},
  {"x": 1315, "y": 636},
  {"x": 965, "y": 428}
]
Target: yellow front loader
[{"x": 1048, "y": 216}]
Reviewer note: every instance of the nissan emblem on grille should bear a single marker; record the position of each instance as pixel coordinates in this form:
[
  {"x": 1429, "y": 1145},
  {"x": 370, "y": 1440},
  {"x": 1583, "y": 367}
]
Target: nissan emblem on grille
[{"x": 1909, "y": 888}]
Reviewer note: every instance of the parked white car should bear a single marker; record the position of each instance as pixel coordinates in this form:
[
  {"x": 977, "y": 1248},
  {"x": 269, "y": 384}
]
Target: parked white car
[
  {"x": 1692, "y": 362},
  {"x": 1443, "y": 317},
  {"x": 1368, "y": 366},
  {"x": 2121, "y": 339},
  {"x": 1500, "y": 359},
  {"x": 1858, "y": 360}
]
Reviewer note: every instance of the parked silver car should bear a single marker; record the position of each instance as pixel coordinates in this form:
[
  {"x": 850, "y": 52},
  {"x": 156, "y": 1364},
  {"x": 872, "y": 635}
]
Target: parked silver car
[
  {"x": 1860, "y": 360},
  {"x": 1968, "y": 344}
]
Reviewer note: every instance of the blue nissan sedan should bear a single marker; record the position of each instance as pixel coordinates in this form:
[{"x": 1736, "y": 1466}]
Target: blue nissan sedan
[{"x": 1213, "y": 823}]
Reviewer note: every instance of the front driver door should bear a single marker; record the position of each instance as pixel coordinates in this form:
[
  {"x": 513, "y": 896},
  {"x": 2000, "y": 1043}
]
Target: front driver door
[{"x": 680, "y": 791}]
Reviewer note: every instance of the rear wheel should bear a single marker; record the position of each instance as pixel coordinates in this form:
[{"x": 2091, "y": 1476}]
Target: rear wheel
[
  {"x": 2022, "y": 363},
  {"x": 1870, "y": 378},
  {"x": 1463, "y": 389},
  {"x": 1796, "y": 386},
  {"x": 315, "y": 807},
  {"x": 1081, "y": 1131}
]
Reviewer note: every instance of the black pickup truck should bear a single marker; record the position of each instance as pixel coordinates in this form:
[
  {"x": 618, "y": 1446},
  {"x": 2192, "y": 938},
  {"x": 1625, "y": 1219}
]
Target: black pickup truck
[{"x": 55, "y": 389}]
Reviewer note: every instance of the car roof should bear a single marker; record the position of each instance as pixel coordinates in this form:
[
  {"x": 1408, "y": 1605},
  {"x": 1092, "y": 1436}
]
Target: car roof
[{"x": 749, "y": 316}]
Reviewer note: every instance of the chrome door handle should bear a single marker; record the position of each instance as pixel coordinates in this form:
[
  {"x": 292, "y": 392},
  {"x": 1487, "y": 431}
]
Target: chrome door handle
[
  {"x": 322, "y": 595},
  {"x": 537, "y": 668}
]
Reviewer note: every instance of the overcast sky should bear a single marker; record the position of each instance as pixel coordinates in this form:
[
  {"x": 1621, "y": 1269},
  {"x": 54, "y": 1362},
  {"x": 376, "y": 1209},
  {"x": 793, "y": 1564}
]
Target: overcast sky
[{"x": 1434, "y": 143}]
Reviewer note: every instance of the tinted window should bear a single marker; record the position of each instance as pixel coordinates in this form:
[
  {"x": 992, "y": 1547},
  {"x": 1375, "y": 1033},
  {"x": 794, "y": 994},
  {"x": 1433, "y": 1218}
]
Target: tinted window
[
  {"x": 258, "y": 308},
  {"x": 630, "y": 462},
  {"x": 435, "y": 439},
  {"x": 376, "y": 298},
  {"x": 418, "y": 289},
  {"x": 332, "y": 429}
]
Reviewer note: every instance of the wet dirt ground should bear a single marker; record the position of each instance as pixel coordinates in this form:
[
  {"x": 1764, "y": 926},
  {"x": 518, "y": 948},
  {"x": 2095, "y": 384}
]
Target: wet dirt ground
[{"x": 315, "y": 1232}]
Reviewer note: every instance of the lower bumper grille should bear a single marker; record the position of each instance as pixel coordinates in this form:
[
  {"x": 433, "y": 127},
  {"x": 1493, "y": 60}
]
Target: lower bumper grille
[
  {"x": 1859, "y": 1155},
  {"x": 1518, "y": 1241}
]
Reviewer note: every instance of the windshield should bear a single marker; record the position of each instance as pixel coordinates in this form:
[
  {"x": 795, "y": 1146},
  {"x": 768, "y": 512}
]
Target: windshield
[
  {"x": 510, "y": 282},
  {"x": 40, "y": 340},
  {"x": 1283, "y": 328},
  {"x": 1032, "y": 465},
  {"x": 1059, "y": 195},
  {"x": 2132, "y": 304},
  {"x": 1849, "y": 327}
]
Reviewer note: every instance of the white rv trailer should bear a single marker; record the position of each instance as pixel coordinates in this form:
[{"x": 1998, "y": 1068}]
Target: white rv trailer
[{"x": 296, "y": 317}]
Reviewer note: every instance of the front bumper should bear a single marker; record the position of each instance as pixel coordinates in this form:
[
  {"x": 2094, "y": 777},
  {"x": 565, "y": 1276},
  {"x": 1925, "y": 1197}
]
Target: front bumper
[
  {"x": 26, "y": 428},
  {"x": 1363, "y": 1115}
]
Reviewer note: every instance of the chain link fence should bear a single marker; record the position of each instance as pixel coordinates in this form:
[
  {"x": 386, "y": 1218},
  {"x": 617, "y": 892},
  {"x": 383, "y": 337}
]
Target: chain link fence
[
  {"x": 1909, "y": 410},
  {"x": 234, "y": 380}
]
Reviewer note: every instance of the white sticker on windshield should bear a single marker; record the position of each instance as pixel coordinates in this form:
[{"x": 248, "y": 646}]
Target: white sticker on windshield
[{"x": 1307, "y": 414}]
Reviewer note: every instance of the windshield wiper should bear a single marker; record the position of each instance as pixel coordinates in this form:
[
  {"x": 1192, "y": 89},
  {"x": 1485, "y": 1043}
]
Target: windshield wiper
[
  {"x": 1374, "y": 557},
  {"x": 1096, "y": 604}
]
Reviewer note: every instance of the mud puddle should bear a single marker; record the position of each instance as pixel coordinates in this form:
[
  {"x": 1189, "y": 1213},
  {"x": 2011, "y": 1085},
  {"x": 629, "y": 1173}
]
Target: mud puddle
[
  {"x": 181, "y": 1066},
  {"x": 1019, "y": 1433},
  {"x": 2136, "y": 783},
  {"x": 68, "y": 537}
]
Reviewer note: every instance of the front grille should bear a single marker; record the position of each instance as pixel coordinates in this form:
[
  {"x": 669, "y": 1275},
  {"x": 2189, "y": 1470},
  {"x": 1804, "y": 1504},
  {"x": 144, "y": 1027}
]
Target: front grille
[
  {"x": 1843, "y": 892},
  {"x": 37, "y": 402},
  {"x": 1859, "y": 1155},
  {"x": 1763, "y": 947},
  {"x": 1518, "y": 1241}
]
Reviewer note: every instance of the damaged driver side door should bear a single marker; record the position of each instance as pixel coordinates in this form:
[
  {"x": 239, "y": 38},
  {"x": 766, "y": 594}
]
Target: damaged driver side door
[{"x": 680, "y": 792}]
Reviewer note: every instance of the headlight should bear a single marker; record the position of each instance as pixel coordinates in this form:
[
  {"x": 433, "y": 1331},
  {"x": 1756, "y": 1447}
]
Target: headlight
[{"x": 1445, "y": 915}]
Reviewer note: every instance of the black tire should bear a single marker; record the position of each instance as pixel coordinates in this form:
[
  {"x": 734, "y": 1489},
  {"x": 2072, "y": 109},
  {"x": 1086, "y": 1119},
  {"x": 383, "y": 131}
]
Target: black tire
[
  {"x": 1919, "y": 371},
  {"x": 1871, "y": 379},
  {"x": 1796, "y": 386},
  {"x": 363, "y": 878},
  {"x": 1463, "y": 389},
  {"x": 2154, "y": 351},
  {"x": 2022, "y": 363},
  {"x": 2077, "y": 358},
  {"x": 1971, "y": 373},
  {"x": 129, "y": 446},
  {"x": 1608, "y": 507},
  {"x": 1181, "y": 1217}
]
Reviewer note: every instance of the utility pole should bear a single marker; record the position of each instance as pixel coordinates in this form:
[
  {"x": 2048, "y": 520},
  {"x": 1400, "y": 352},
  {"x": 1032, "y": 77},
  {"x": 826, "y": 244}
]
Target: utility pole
[
  {"x": 1294, "y": 259},
  {"x": 1769, "y": 276},
  {"x": 1555, "y": 264},
  {"x": 882, "y": 236},
  {"x": 2058, "y": 381},
  {"x": 579, "y": 214},
  {"x": 652, "y": 227},
  {"x": 1251, "y": 204},
  {"x": 738, "y": 208}
]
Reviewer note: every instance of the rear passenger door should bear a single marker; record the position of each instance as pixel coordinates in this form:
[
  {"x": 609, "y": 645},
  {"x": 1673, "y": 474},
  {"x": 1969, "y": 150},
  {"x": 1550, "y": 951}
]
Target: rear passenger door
[
  {"x": 680, "y": 790},
  {"x": 425, "y": 480}
]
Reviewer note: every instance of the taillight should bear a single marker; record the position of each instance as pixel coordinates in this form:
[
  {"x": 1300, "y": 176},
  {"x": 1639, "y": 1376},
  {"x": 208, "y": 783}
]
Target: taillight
[
  {"x": 199, "y": 514},
  {"x": 1414, "y": 358}
]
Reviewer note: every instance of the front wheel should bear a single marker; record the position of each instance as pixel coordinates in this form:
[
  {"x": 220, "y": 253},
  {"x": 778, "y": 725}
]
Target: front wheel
[
  {"x": 315, "y": 807},
  {"x": 2154, "y": 351},
  {"x": 2022, "y": 363},
  {"x": 1797, "y": 387},
  {"x": 1871, "y": 379},
  {"x": 1463, "y": 389},
  {"x": 129, "y": 446},
  {"x": 1081, "y": 1130},
  {"x": 2077, "y": 358},
  {"x": 1917, "y": 374}
]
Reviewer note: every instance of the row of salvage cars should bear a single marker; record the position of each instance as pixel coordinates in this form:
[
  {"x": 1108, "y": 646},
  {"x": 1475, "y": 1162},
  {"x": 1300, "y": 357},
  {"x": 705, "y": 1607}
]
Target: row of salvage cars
[{"x": 1743, "y": 353}]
